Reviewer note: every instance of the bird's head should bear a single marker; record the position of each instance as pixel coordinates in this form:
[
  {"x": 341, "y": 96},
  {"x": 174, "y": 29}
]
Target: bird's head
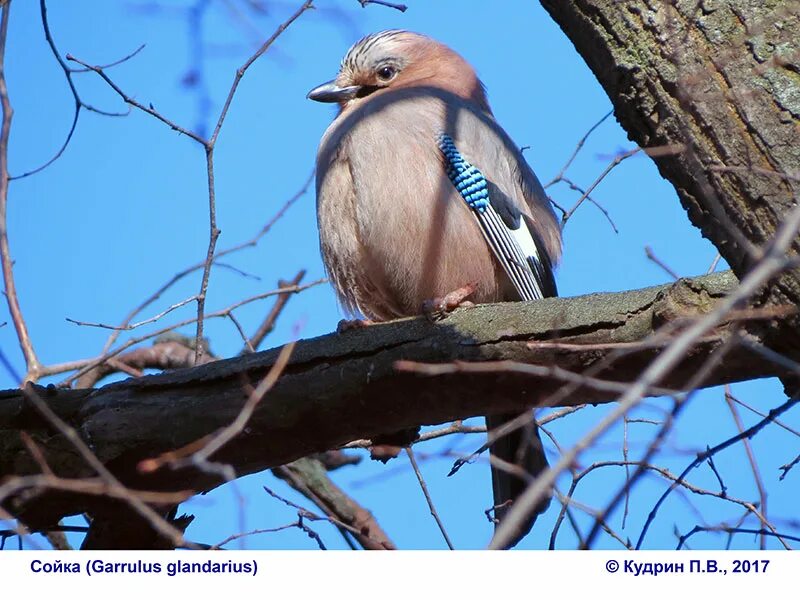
[{"x": 396, "y": 59}]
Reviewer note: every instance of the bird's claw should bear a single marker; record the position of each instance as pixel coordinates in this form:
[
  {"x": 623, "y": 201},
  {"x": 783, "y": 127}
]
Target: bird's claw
[{"x": 438, "y": 308}]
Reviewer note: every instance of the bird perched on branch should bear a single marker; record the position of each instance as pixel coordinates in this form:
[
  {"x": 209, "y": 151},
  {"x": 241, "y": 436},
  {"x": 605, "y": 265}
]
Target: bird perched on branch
[{"x": 424, "y": 201}]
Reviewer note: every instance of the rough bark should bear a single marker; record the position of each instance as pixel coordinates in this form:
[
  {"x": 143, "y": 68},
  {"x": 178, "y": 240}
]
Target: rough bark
[
  {"x": 337, "y": 388},
  {"x": 721, "y": 78}
]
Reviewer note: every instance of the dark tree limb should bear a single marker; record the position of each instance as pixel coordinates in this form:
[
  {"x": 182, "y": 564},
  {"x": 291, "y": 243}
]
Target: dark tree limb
[
  {"x": 310, "y": 477},
  {"x": 341, "y": 387}
]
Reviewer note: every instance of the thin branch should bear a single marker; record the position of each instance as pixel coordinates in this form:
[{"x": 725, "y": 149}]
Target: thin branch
[
  {"x": 32, "y": 363},
  {"x": 625, "y": 423},
  {"x": 307, "y": 514},
  {"x": 747, "y": 433},
  {"x": 617, "y": 160},
  {"x": 115, "y": 63},
  {"x": 714, "y": 263},
  {"x": 723, "y": 489},
  {"x": 756, "y": 170},
  {"x": 129, "y": 100},
  {"x": 197, "y": 453},
  {"x": 762, "y": 532},
  {"x": 651, "y": 256},
  {"x": 505, "y": 366},
  {"x": 773, "y": 262},
  {"x": 674, "y": 480},
  {"x": 209, "y": 147},
  {"x": 568, "y": 501},
  {"x": 79, "y": 104},
  {"x": 213, "y": 235},
  {"x": 428, "y": 499},
  {"x": 252, "y": 242},
  {"x": 129, "y": 327},
  {"x": 91, "y": 364},
  {"x": 95, "y": 486},
  {"x": 573, "y": 186},
  {"x": 241, "y": 70},
  {"x": 578, "y": 146},
  {"x": 309, "y": 476},
  {"x": 268, "y": 324},
  {"x": 788, "y": 467},
  {"x": 762, "y": 414},
  {"x": 680, "y": 402},
  {"x": 237, "y": 536},
  {"x": 748, "y": 448},
  {"x": 248, "y": 346},
  {"x": 400, "y": 7}
]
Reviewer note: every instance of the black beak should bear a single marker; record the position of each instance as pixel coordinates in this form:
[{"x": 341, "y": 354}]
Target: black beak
[{"x": 330, "y": 92}]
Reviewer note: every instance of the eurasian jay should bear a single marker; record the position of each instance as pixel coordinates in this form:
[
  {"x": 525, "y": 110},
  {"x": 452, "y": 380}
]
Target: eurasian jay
[{"x": 421, "y": 193}]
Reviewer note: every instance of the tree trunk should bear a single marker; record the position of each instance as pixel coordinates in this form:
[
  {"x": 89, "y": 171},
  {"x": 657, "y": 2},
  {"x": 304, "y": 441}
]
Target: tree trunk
[{"x": 720, "y": 79}]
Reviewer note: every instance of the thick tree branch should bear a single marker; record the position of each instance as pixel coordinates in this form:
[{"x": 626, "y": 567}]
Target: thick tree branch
[{"x": 341, "y": 387}]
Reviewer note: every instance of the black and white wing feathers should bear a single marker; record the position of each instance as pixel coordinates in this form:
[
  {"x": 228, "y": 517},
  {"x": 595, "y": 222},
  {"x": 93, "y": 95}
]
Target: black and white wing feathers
[{"x": 508, "y": 232}]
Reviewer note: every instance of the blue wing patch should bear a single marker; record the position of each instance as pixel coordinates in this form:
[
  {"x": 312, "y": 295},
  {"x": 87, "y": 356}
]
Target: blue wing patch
[{"x": 510, "y": 240}]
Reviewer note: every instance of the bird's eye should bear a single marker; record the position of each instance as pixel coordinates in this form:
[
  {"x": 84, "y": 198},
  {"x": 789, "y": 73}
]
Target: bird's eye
[{"x": 386, "y": 73}]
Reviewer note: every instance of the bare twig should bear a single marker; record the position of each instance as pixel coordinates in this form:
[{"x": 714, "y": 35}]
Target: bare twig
[
  {"x": 257, "y": 54},
  {"x": 309, "y": 477},
  {"x": 755, "y": 169},
  {"x": 95, "y": 486},
  {"x": 568, "y": 501},
  {"x": 748, "y": 448},
  {"x": 573, "y": 186},
  {"x": 774, "y": 261},
  {"x": 131, "y": 101},
  {"x": 667, "y": 475},
  {"x": 777, "y": 422},
  {"x": 617, "y": 160},
  {"x": 92, "y": 363},
  {"x": 269, "y": 321},
  {"x": 748, "y": 433},
  {"x": 723, "y": 489},
  {"x": 680, "y": 402},
  {"x": 428, "y": 499},
  {"x": 714, "y": 264},
  {"x": 302, "y": 512},
  {"x": 788, "y": 467},
  {"x": 250, "y": 243},
  {"x": 578, "y": 146},
  {"x": 208, "y": 146},
  {"x": 79, "y": 103},
  {"x": 394, "y": 5},
  {"x": 651, "y": 256},
  {"x": 762, "y": 532},
  {"x": 504, "y": 366},
  {"x": 197, "y": 453},
  {"x": 238, "y": 536},
  {"x": 129, "y": 327},
  {"x": 32, "y": 363}
]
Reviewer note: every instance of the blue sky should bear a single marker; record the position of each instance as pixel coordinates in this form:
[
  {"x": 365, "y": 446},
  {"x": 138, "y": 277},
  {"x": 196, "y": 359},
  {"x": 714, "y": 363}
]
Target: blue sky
[{"x": 125, "y": 208}]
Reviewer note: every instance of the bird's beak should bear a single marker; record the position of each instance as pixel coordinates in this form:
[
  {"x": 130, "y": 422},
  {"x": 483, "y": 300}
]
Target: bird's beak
[{"x": 331, "y": 92}]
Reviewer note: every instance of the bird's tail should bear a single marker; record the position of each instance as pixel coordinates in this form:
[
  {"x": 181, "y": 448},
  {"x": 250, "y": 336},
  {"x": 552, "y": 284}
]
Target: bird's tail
[{"x": 521, "y": 448}]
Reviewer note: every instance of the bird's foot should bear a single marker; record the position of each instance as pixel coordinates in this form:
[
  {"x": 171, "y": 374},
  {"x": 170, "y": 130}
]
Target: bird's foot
[
  {"x": 347, "y": 325},
  {"x": 438, "y": 308}
]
